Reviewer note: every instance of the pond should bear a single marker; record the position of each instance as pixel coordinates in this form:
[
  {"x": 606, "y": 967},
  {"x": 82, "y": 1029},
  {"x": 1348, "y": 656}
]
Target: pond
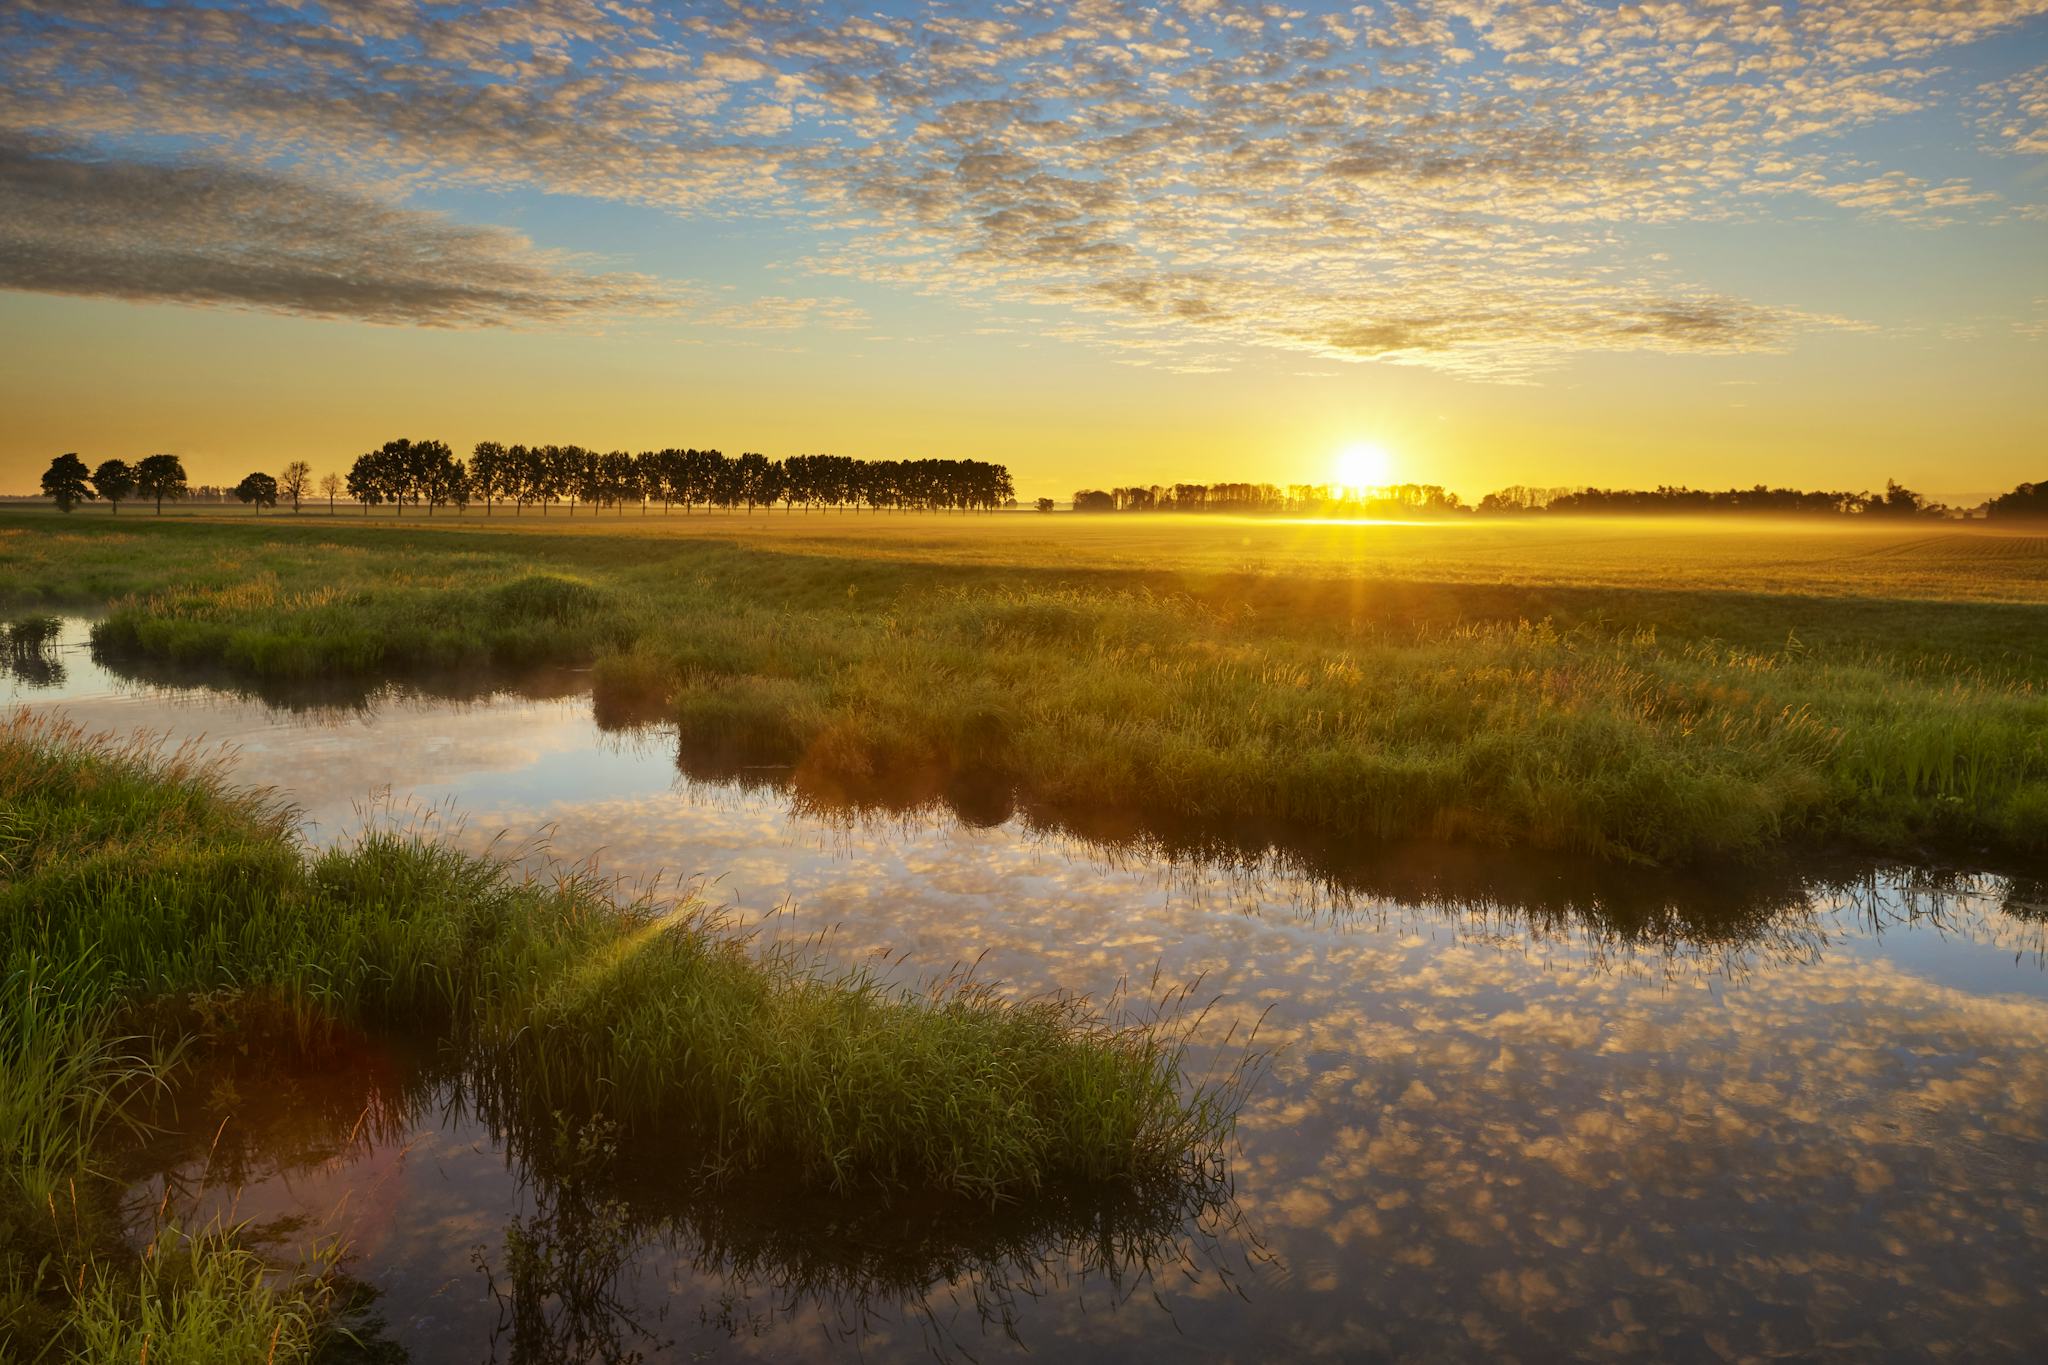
[{"x": 1513, "y": 1108}]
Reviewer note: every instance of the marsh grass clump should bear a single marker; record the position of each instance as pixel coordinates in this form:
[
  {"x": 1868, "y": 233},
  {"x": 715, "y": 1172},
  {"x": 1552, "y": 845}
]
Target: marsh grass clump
[
  {"x": 544, "y": 597},
  {"x": 392, "y": 625},
  {"x": 160, "y": 880},
  {"x": 1572, "y": 737},
  {"x": 202, "y": 1298},
  {"x": 146, "y": 901}
]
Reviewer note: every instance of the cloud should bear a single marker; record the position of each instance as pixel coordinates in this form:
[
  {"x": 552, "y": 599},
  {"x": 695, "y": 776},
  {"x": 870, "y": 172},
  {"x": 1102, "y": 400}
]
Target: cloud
[
  {"x": 2015, "y": 112},
  {"x": 1464, "y": 184},
  {"x": 775, "y": 313},
  {"x": 210, "y": 233}
]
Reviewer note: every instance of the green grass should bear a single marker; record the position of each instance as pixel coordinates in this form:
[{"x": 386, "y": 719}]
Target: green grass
[
  {"x": 143, "y": 895},
  {"x": 1665, "y": 694},
  {"x": 201, "y": 1298}
]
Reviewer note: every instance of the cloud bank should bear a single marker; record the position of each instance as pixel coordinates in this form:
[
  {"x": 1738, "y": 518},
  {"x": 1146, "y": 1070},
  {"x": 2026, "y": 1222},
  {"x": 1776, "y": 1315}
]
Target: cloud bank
[{"x": 217, "y": 234}]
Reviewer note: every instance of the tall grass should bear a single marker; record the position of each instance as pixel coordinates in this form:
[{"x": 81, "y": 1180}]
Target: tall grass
[
  {"x": 201, "y": 1298},
  {"x": 67, "y": 1074}
]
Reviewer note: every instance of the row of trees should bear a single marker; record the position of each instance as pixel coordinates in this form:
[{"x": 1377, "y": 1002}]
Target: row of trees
[
  {"x": 155, "y": 477},
  {"x": 158, "y": 478},
  {"x": 428, "y": 473}
]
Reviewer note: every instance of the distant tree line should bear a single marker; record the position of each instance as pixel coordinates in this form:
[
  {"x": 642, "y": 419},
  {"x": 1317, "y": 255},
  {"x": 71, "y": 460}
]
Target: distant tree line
[
  {"x": 1299, "y": 499},
  {"x": 1895, "y": 501},
  {"x": 1411, "y": 499}
]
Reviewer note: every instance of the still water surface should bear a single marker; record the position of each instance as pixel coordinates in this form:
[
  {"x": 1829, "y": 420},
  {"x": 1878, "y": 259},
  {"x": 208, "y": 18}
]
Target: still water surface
[{"x": 1515, "y": 1111}]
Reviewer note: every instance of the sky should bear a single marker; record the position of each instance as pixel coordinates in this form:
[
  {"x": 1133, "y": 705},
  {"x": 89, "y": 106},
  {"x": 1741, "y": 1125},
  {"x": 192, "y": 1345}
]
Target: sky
[{"x": 1704, "y": 241}]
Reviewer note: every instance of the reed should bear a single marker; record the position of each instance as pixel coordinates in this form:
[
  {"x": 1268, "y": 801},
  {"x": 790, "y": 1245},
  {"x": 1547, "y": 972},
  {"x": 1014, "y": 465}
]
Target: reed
[{"x": 202, "y": 1298}]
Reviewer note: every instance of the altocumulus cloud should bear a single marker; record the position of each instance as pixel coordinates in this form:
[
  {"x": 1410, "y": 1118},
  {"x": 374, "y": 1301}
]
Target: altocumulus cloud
[
  {"x": 207, "y": 233},
  {"x": 1472, "y": 185}
]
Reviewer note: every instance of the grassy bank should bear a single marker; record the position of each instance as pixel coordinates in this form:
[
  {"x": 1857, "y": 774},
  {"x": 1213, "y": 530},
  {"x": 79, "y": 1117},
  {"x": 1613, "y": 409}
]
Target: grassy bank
[
  {"x": 1644, "y": 693},
  {"x": 141, "y": 894}
]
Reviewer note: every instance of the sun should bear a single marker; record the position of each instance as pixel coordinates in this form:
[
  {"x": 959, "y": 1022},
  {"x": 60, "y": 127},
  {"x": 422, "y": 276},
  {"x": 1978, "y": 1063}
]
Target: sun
[{"x": 1364, "y": 464}]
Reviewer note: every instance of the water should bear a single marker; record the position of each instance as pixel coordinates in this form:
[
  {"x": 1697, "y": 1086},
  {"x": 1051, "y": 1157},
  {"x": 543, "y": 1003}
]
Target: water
[{"x": 1517, "y": 1110}]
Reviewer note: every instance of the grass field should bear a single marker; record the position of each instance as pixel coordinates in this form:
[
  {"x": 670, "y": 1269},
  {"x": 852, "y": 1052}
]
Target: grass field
[
  {"x": 149, "y": 911},
  {"x": 1657, "y": 691}
]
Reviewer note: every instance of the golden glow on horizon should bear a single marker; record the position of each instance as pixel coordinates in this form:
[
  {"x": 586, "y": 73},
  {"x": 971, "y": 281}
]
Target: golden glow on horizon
[{"x": 1364, "y": 464}]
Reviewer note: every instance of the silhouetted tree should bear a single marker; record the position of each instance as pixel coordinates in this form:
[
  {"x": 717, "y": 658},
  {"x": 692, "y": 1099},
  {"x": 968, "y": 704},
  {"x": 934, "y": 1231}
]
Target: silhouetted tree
[
  {"x": 1093, "y": 500},
  {"x": 615, "y": 479},
  {"x": 1898, "y": 501},
  {"x": 521, "y": 479},
  {"x": 294, "y": 481},
  {"x": 330, "y": 484},
  {"x": 431, "y": 473},
  {"x": 2026, "y": 502},
  {"x": 366, "y": 479},
  {"x": 1044, "y": 504},
  {"x": 115, "y": 481},
  {"x": 750, "y": 479},
  {"x": 65, "y": 480},
  {"x": 583, "y": 475},
  {"x": 258, "y": 488},
  {"x": 490, "y": 472},
  {"x": 160, "y": 477}
]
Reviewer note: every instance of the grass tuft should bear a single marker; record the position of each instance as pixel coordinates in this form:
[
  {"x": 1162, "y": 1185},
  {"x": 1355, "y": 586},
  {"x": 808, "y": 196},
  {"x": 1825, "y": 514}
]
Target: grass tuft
[{"x": 201, "y": 1299}]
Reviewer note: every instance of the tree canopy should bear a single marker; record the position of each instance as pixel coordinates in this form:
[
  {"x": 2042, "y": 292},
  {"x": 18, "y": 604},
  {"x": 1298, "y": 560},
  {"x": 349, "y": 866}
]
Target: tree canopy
[
  {"x": 295, "y": 481},
  {"x": 258, "y": 488},
  {"x": 115, "y": 481},
  {"x": 160, "y": 477},
  {"x": 66, "y": 481}
]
